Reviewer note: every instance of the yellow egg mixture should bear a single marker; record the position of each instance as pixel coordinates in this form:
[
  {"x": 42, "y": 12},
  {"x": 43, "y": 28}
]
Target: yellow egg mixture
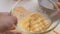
[{"x": 33, "y": 22}]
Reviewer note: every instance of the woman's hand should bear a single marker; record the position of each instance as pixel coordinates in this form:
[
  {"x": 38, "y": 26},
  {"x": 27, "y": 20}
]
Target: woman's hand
[{"x": 7, "y": 22}]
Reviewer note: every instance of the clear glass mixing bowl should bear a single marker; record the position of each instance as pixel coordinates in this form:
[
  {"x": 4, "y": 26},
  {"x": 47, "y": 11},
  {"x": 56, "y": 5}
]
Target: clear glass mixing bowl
[{"x": 40, "y": 6}]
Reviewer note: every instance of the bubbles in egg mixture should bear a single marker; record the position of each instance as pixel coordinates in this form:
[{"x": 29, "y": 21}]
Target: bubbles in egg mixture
[{"x": 35, "y": 23}]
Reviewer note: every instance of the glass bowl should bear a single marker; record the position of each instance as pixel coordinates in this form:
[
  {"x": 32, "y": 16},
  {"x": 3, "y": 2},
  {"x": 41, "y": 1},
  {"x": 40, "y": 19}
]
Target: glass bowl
[{"x": 30, "y": 6}]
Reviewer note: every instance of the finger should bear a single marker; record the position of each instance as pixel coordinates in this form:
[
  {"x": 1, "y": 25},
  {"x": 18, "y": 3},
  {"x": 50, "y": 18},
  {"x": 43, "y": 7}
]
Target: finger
[
  {"x": 14, "y": 19},
  {"x": 4, "y": 14},
  {"x": 13, "y": 22},
  {"x": 9, "y": 22},
  {"x": 12, "y": 28}
]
